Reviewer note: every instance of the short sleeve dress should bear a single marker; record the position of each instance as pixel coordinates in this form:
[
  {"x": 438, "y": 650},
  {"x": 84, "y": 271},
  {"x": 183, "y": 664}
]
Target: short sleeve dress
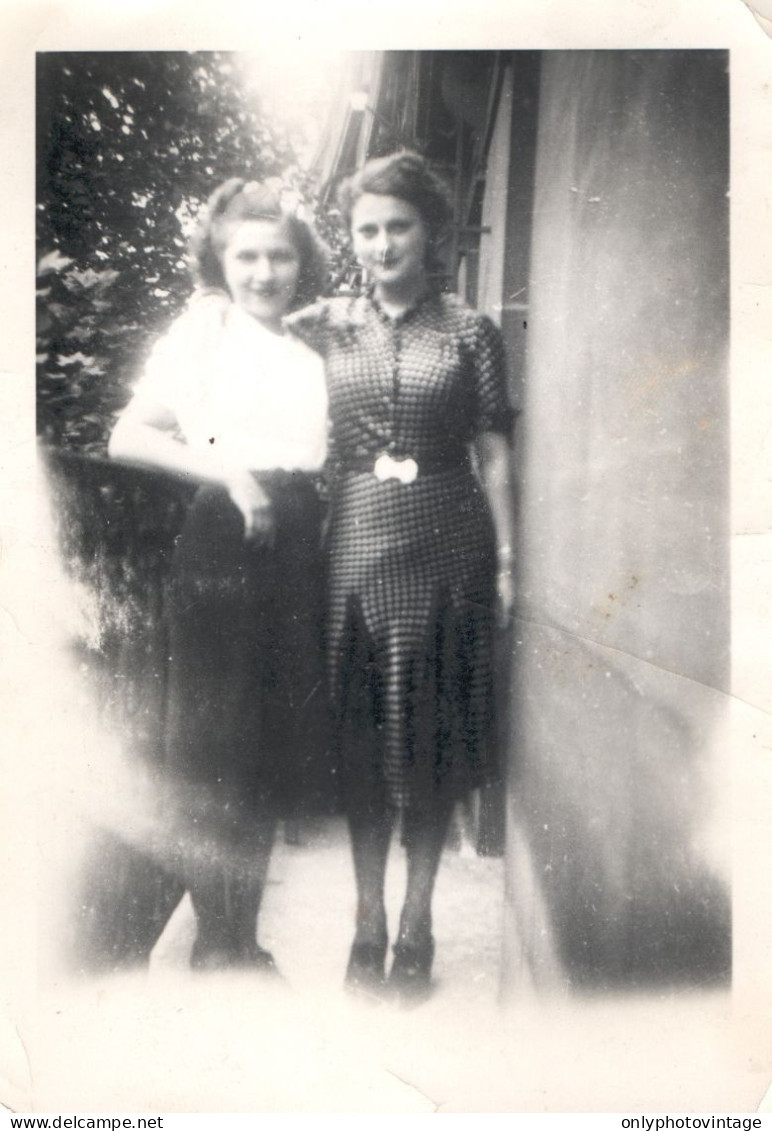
[
  {"x": 246, "y": 730},
  {"x": 412, "y": 549}
]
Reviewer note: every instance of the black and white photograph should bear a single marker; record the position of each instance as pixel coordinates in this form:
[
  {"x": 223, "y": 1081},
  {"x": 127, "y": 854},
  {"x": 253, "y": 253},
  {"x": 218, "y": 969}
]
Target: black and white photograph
[{"x": 387, "y": 561}]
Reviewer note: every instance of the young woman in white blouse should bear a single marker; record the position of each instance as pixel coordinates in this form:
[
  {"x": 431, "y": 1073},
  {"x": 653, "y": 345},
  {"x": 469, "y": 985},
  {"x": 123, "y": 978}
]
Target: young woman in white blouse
[{"x": 239, "y": 408}]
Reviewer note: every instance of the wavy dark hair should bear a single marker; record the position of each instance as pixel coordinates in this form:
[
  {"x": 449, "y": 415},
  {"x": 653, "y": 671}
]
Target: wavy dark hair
[
  {"x": 239, "y": 200},
  {"x": 405, "y": 175}
]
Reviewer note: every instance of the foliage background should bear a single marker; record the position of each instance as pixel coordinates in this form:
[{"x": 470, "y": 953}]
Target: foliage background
[{"x": 129, "y": 147}]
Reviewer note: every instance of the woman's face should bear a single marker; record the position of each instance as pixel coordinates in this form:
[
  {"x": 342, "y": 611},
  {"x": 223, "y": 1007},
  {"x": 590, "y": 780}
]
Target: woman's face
[
  {"x": 390, "y": 240},
  {"x": 261, "y": 266}
]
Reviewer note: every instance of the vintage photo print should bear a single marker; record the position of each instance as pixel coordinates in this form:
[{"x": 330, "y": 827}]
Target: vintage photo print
[{"x": 387, "y": 700}]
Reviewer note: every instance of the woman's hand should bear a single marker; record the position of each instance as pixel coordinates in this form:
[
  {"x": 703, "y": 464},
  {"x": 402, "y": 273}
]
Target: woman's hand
[
  {"x": 505, "y": 597},
  {"x": 255, "y": 506}
]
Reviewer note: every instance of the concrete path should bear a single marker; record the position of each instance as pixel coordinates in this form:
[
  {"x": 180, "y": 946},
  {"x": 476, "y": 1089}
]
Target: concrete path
[
  {"x": 308, "y": 915},
  {"x": 172, "y": 1041}
]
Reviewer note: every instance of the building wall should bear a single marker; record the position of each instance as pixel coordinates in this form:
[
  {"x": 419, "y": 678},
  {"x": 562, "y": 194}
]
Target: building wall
[
  {"x": 504, "y": 265},
  {"x": 621, "y": 643},
  {"x": 490, "y": 285}
]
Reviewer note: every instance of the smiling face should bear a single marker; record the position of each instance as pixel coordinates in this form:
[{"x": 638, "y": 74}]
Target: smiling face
[
  {"x": 261, "y": 266},
  {"x": 391, "y": 241}
]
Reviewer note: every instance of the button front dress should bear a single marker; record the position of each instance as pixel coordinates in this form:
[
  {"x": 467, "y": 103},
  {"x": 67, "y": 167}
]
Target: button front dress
[{"x": 412, "y": 563}]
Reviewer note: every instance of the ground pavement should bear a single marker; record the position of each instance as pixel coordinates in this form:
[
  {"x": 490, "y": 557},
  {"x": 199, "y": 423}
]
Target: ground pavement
[{"x": 169, "y": 1040}]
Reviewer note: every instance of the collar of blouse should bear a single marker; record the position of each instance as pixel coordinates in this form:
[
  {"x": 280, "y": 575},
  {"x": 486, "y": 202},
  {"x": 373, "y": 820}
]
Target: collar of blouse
[{"x": 428, "y": 295}]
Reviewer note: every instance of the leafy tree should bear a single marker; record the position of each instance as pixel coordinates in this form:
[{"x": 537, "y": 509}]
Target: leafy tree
[{"x": 129, "y": 147}]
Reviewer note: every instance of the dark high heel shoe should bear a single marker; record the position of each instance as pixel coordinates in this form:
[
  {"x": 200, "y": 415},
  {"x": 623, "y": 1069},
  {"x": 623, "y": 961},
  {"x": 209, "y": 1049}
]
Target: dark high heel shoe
[
  {"x": 365, "y": 972},
  {"x": 411, "y": 970}
]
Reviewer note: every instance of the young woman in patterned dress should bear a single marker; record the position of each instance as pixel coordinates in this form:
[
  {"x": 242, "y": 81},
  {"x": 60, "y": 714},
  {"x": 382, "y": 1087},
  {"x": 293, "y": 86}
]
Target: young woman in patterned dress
[
  {"x": 231, "y": 403},
  {"x": 420, "y": 550}
]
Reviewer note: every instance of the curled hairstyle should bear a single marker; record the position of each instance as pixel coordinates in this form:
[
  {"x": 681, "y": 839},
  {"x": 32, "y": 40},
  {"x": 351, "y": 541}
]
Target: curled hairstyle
[
  {"x": 405, "y": 175},
  {"x": 236, "y": 201}
]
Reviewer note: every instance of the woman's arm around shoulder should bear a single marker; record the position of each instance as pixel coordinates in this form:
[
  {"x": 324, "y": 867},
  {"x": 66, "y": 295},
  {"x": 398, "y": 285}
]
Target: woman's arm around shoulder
[{"x": 309, "y": 324}]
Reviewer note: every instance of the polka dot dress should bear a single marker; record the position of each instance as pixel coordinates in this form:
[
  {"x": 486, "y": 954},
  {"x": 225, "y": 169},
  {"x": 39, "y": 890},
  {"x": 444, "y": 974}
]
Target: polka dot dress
[{"x": 412, "y": 553}]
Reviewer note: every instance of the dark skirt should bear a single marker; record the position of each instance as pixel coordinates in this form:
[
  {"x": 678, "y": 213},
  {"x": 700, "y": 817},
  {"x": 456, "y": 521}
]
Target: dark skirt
[{"x": 247, "y": 726}]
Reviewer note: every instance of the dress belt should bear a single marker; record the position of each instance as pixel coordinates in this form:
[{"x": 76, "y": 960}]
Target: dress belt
[{"x": 404, "y": 468}]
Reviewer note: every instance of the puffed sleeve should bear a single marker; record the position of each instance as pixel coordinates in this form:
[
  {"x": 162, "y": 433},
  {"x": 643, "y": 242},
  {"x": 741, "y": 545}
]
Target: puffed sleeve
[
  {"x": 311, "y": 325},
  {"x": 159, "y": 379},
  {"x": 488, "y": 361},
  {"x": 174, "y": 366}
]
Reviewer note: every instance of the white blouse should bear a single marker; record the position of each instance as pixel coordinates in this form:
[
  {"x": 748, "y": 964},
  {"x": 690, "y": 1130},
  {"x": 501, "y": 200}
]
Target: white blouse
[{"x": 256, "y": 399}]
